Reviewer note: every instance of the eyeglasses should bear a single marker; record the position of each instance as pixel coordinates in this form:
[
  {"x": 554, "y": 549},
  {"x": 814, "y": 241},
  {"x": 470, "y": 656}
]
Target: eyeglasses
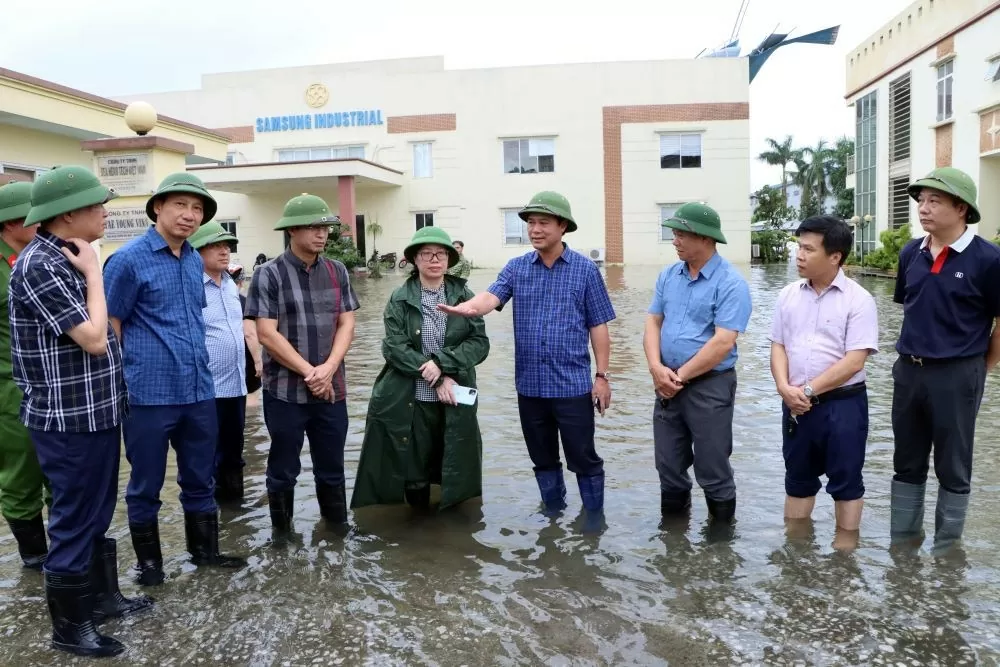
[{"x": 428, "y": 255}]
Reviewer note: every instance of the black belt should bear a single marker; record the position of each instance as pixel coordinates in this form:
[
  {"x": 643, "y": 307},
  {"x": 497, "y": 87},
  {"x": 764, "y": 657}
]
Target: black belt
[
  {"x": 839, "y": 393},
  {"x": 705, "y": 376},
  {"x": 914, "y": 360}
]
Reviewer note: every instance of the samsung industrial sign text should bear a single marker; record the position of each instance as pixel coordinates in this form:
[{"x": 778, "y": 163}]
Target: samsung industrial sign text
[{"x": 320, "y": 121}]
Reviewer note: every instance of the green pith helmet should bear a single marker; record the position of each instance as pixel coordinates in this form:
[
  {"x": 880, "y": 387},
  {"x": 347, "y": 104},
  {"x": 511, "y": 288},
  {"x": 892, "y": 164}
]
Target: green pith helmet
[
  {"x": 306, "y": 211},
  {"x": 697, "y": 218},
  {"x": 426, "y": 235},
  {"x": 954, "y": 182},
  {"x": 183, "y": 183},
  {"x": 209, "y": 233},
  {"x": 550, "y": 203},
  {"x": 15, "y": 201},
  {"x": 65, "y": 189}
]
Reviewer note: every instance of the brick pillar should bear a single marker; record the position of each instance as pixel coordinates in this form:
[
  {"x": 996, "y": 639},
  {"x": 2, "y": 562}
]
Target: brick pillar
[{"x": 345, "y": 191}]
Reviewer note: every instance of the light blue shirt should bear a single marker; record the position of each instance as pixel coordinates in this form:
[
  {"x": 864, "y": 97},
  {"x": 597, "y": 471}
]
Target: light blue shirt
[
  {"x": 224, "y": 337},
  {"x": 692, "y": 309}
]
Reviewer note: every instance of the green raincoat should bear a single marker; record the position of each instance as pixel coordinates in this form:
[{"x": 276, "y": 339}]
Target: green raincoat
[{"x": 388, "y": 434}]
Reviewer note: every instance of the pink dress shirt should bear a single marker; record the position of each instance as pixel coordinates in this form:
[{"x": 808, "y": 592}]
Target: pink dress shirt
[{"x": 818, "y": 330}]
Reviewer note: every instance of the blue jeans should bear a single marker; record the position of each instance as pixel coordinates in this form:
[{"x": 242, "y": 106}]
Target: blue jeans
[
  {"x": 149, "y": 430},
  {"x": 287, "y": 424},
  {"x": 83, "y": 471}
]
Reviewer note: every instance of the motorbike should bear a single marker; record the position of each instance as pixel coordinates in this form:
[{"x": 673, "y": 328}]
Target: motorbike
[{"x": 387, "y": 261}]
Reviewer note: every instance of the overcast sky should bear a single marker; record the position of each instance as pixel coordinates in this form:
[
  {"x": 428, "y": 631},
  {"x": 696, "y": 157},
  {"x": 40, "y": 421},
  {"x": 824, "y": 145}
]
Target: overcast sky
[{"x": 114, "y": 47}]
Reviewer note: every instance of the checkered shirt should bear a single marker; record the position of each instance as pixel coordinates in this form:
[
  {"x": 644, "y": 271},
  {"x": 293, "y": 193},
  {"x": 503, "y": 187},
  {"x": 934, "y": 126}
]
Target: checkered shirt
[
  {"x": 431, "y": 334},
  {"x": 224, "y": 337},
  {"x": 554, "y": 310},
  {"x": 66, "y": 389},
  {"x": 306, "y": 301},
  {"x": 159, "y": 297}
]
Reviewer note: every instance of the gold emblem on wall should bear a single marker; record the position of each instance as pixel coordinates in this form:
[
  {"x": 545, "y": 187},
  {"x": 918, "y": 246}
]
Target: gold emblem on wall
[{"x": 317, "y": 95}]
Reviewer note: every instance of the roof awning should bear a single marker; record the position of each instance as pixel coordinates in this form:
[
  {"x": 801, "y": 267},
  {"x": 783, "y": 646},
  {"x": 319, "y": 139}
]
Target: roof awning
[{"x": 279, "y": 178}]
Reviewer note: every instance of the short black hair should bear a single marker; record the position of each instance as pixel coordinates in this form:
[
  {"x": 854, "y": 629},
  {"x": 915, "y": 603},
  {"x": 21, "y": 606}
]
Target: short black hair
[
  {"x": 458, "y": 242},
  {"x": 837, "y": 235}
]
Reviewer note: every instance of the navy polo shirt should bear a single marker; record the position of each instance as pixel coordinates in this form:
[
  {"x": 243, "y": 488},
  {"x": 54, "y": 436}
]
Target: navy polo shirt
[{"x": 951, "y": 302}]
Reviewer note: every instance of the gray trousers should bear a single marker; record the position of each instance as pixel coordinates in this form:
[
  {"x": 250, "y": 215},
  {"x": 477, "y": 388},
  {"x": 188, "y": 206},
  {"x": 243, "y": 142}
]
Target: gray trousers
[
  {"x": 696, "y": 428},
  {"x": 936, "y": 404}
]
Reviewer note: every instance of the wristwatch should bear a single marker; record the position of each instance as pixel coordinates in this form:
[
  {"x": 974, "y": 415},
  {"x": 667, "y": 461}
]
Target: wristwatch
[
  {"x": 808, "y": 391},
  {"x": 605, "y": 376}
]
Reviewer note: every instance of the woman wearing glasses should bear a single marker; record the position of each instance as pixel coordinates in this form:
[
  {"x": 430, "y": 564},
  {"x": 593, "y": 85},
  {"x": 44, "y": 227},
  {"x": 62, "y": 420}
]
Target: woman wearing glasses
[{"x": 417, "y": 433}]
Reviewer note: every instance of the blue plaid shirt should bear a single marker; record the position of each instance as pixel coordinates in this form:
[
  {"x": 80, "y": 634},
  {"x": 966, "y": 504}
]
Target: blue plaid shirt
[
  {"x": 159, "y": 299},
  {"x": 554, "y": 310},
  {"x": 66, "y": 389}
]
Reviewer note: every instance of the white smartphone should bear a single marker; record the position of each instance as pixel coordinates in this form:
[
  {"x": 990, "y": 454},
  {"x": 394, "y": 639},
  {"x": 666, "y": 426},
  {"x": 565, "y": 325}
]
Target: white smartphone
[{"x": 464, "y": 395}]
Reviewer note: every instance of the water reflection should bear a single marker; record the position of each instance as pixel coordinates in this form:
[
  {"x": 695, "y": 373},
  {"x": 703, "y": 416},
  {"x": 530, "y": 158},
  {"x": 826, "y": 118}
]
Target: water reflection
[{"x": 500, "y": 583}]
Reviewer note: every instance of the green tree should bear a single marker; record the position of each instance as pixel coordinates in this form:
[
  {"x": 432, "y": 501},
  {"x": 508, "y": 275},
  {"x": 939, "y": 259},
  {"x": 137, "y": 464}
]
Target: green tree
[
  {"x": 773, "y": 212},
  {"x": 842, "y": 151},
  {"x": 780, "y": 154},
  {"x": 886, "y": 257},
  {"x": 812, "y": 165},
  {"x": 341, "y": 247}
]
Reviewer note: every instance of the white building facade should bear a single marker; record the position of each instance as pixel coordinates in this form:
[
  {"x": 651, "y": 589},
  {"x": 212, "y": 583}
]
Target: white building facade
[
  {"x": 407, "y": 143},
  {"x": 926, "y": 93}
]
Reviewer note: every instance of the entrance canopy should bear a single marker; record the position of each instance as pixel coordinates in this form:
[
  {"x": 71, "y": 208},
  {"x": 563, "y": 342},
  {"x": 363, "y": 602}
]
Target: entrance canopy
[{"x": 277, "y": 178}]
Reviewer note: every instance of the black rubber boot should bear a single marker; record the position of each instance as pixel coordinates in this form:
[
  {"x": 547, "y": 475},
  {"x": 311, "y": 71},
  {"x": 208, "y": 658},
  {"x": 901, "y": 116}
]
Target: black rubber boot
[
  {"x": 108, "y": 599},
  {"x": 332, "y": 502},
  {"x": 146, "y": 542},
  {"x": 202, "y": 532},
  {"x": 721, "y": 510},
  {"x": 418, "y": 498},
  {"x": 71, "y": 605},
  {"x": 31, "y": 544},
  {"x": 229, "y": 485},
  {"x": 281, "y": 504},
  {"x": 672, "y": 504}
]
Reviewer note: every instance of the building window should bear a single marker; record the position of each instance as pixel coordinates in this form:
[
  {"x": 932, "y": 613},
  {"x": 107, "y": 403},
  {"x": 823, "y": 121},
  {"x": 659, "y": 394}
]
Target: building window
[
  {"x": 529, "y": 156},
  {"x": 11, "y": 173},
  {"x": 423, "y": 161},
  {"x": 321, "y": 153},
  {"x": 945, "y": 73},
  {"x": 866, "y": 116},
  {"x": 515, "y": 230},
  {"x": 993, "y": 71},
  {"x": 229, "y": 226},
  {"x": 231, "y": 157},
  {"x": 666, "y": 212},
  {"x": 424, "y": 220},
  {"x": 899, "y": 119},
  {"x": 680, "y": 151}
]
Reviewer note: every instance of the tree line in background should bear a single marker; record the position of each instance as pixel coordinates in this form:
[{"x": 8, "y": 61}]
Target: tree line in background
[{"x": 819, "y": 171}]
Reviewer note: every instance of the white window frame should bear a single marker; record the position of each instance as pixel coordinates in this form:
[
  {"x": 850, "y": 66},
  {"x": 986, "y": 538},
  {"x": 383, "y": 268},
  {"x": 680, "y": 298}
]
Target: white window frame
[
  {"x": 329, "y": 152},
  {"x": 945, "y": 90},
  {"x": 666, "y": 234},
  {"x": 522, "y": 238},
  {"x": 543, "y": 146},
  {"x": 685, "y": 143},
  {"x": 231, "y": 158},
  {"x": 993, "y": 68},
  {"x": 416, "y": 214},
  {"x": 229, "y": 224},
  {"x": 423, "y": 163}
]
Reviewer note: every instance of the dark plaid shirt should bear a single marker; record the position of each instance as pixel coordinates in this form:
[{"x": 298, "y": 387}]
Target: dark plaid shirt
[
  {"x": 66, "y": 389},
  {"x": 306, "y": 301}
]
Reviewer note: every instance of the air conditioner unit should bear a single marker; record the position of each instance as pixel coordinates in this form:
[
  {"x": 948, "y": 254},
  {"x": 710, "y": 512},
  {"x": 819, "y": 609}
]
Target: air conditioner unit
[{"x": 597, "y": 255}]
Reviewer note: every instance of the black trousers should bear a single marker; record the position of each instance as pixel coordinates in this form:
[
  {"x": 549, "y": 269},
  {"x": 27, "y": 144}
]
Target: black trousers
[
  {"x": 232, "y": 413},
  {"x": 934, "y": 405},
  {"x": 544, "y": 421}
]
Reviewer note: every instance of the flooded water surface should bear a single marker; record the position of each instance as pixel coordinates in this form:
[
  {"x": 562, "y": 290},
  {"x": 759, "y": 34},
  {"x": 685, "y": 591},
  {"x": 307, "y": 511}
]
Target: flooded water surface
[{"x": 499, "y": 583}]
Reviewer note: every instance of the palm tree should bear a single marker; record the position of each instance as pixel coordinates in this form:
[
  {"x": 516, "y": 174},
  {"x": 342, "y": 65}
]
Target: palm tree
[{"x": 779, "y": 155}]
